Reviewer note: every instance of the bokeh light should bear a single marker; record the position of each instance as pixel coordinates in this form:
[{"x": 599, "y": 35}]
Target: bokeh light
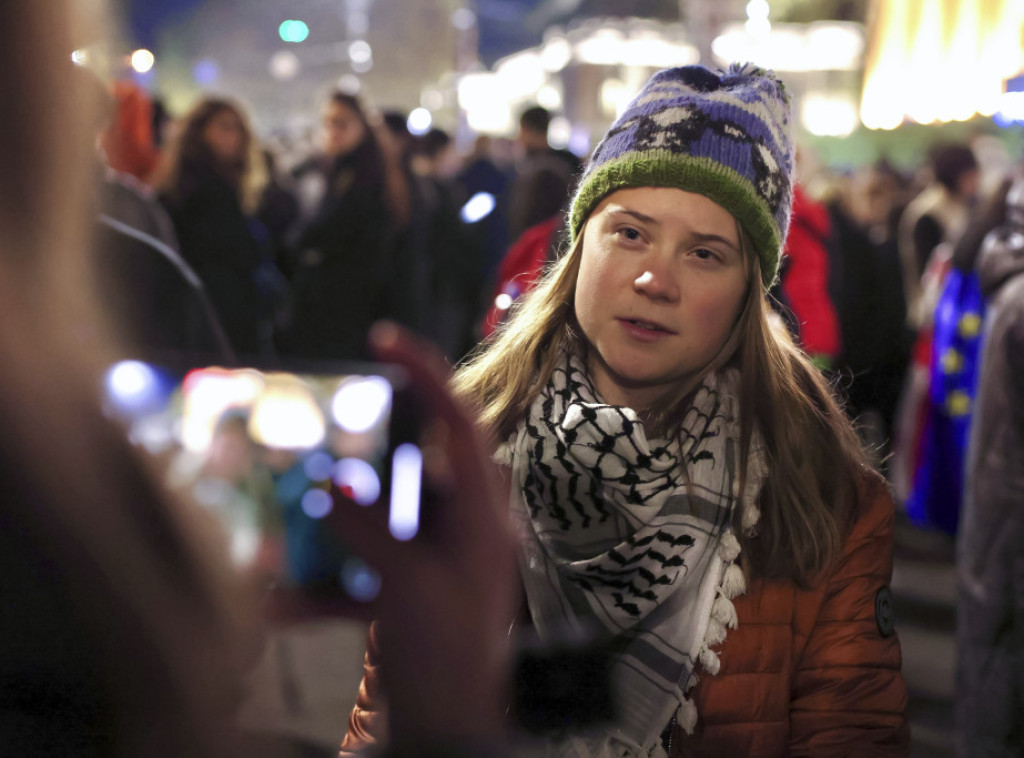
[
  {"x": 358, "y": 480},
  {"x": 419, "y": 121},
  {"x": 463, "y": 19},
  {"x": 142, "y": 61},
  {"x": 361, "y": 403},
  {"x": 360, "y": 51},
  {"x": 406, "y": 482},
  {"x": 316, "y": 503},
  {"x": 284, "y": 65},
  {"x": 478, "y": 207},
  {"x": 359, "y": 580},
  {"x": 293, "y": 30}
]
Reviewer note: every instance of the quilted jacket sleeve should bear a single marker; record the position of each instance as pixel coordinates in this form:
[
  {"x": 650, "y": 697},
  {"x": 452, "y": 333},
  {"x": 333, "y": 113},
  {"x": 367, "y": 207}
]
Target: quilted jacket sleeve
[
  {"x": 848, "y": 696},
  {"x": 367, "y": 724}
]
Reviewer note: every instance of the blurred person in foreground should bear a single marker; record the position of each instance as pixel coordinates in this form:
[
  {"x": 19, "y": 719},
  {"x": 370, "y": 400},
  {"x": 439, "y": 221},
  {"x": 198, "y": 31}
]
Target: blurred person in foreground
[
  {"x": 210, "y": 185},
  {"x": 124, "y": 632},
  {"x": 989, "y": 696}
]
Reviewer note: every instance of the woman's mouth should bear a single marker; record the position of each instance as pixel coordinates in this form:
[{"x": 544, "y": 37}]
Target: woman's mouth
[{"x": 643, "y": 329}]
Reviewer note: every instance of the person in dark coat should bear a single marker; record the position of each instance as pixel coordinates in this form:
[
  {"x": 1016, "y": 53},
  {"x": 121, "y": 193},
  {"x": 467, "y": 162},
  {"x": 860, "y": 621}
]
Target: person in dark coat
[
  {"x": 345, "y": 250},
  {"x": 544, "y": 177},
  {"x": 482, "y": 175},
  {"x": 156, "y": 302},
  {"x": 207, "y": 188},
  {"x": 152, "y": 299},
  {"x": 866, "y": 284},
  {"x": 989, "y": 696}
]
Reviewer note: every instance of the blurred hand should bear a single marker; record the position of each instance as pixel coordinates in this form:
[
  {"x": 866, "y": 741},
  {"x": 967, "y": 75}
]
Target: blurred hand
[
  {"x": 447, "y": 600},
  {"x": 448, "y": 596}
]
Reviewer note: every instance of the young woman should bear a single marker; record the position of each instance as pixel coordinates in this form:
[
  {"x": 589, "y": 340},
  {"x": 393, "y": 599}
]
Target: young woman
[
  {"x": 210, "y": 184},
  {"x": 680, "y": 472},
  {"x": 345, "y": 251}
]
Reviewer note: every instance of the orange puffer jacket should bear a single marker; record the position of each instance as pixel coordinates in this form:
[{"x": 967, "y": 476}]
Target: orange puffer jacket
[{"x": 807, "y": 672}]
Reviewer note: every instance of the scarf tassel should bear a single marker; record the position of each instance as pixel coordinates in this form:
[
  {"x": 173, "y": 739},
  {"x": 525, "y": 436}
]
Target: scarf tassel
[
  {"x": 724, "y": 612},
  {"x": 729, "y": 547},
  {"x": 686, "y": 715},
  {"x": 751, "y": 516},
  {"x": 709, "y": 660},
  {"x": 733, "y": 583}
]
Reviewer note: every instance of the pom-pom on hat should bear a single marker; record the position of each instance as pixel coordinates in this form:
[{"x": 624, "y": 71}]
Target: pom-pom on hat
[{"x": 721, "y": 134}]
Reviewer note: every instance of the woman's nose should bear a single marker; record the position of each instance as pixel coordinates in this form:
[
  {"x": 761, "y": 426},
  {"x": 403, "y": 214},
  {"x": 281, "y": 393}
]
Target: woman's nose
[{"x": 656, "y": 284}]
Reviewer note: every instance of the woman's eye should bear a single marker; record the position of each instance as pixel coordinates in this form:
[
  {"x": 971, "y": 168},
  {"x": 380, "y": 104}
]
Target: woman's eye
[
  {"x": 629, "y": 233},
  {"x": 704, "y": 254}
]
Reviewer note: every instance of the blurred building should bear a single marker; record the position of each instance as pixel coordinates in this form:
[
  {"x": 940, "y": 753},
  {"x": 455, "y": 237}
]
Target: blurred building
[
  {"x": 281, "y": 57},
  {"x": 857, "y": 69}
]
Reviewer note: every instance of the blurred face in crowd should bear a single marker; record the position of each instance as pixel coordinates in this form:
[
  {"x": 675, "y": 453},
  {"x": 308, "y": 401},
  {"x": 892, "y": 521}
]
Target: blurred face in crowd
[
  {"x": 968, "y": 184},
  {"x": 225, "y": 135},
  {"x": 661, "y": 284},
  {"x": 872, "y": 196},
  {"x": 343, "y": 129}
]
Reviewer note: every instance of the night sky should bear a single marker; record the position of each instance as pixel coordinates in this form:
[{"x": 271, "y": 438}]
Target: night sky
[
  {"x": 146, "y": 17},
  {"x": 501, "y": 26}
]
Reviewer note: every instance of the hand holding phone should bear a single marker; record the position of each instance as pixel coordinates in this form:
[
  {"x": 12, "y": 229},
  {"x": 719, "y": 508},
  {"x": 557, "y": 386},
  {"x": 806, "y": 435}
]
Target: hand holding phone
[{"x": 447, "y": 597}]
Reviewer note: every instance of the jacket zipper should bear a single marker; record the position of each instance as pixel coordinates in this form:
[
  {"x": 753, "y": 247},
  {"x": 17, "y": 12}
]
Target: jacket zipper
[{"x": 671, "y": 735}]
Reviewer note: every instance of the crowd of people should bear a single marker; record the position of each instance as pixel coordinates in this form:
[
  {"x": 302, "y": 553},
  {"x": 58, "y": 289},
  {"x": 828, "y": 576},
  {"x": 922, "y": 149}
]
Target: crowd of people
[
  {"x": 670, "y": 382},
  {"x": 374, "y": 222}
]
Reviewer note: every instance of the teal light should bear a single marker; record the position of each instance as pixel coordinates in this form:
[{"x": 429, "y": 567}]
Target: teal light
[{"x": 293, "y": 30}]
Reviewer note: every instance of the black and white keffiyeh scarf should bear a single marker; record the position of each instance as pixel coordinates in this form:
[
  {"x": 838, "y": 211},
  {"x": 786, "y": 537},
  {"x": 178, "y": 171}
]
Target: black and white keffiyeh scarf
[{"x": 612, "y": 530}]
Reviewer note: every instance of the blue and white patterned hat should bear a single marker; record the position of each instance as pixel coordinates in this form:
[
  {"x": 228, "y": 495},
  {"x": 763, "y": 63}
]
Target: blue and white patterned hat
[{"x": 724, "y": 135}]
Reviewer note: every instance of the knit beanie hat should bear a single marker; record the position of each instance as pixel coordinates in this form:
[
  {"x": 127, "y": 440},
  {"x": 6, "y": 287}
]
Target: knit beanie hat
[{"x": 724, "y": 135}]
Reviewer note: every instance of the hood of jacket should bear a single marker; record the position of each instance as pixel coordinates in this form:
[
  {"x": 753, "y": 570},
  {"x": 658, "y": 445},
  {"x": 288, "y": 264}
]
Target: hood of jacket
[{"x": 1001, "y": 257}]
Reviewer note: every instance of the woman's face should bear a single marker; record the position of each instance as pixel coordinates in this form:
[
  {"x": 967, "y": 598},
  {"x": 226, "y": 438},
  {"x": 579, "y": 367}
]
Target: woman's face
[
  {"x": 343, "y": 129},
  {"x": 661, "y": 283},
  {"x": 225, "y": 135}
]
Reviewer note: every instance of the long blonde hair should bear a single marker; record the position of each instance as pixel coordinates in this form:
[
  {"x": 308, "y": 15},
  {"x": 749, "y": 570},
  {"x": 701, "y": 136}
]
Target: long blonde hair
[{"x": 815, "y": 459}]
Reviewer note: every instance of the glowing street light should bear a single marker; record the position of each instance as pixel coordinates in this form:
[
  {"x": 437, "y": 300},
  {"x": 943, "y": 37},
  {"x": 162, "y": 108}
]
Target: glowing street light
[
  {"x": 143, "y": 61},
  {"x": 293, "y": 30}
]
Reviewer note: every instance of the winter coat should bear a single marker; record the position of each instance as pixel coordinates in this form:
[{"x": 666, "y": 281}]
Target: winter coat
[
  {"x": 522, "y": 267},
  {"x": 155, "y": 301},
  {"x": 808, "y": 672},
  {"x": 345, "y": 263},
  {"x": 215, "y": 240},
  {"x": 543, "y": 182},
  {"x": 805, "y": 277},
  {"x": 990, "y": 558}
]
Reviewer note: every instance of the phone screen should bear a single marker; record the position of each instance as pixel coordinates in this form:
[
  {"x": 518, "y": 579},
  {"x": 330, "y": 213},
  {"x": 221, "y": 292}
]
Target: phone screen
[{"x": 264, "y": 449}]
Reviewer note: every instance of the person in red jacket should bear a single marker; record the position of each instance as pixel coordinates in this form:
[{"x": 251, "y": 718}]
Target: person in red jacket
[
  {"x": 805, "y": 279},
  {"x": 684, "y": 487},
  {"x": 521, "y": 269}
]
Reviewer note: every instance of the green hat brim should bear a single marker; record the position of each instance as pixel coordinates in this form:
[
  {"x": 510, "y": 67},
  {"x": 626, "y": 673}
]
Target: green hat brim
[{"x": 661, "y": 168}]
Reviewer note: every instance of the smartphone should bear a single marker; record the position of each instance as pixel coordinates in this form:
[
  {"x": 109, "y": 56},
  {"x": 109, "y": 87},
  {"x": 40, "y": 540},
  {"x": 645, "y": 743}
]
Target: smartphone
[{"x": 269, "y": 450}]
